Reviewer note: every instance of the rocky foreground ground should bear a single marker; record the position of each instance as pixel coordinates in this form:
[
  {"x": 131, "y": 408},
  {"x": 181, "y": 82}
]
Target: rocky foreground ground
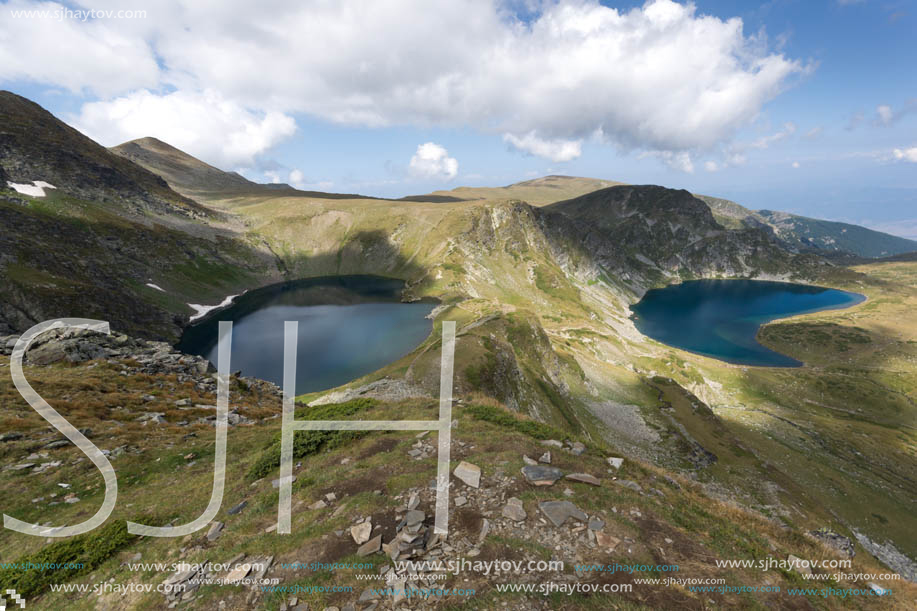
[{"x": 520, "y": 492}]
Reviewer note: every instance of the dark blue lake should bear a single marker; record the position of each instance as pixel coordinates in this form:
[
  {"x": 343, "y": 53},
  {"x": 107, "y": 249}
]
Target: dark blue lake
[
  {"x": 349, "y": 326},
  {"x": 720, "y": 318}
]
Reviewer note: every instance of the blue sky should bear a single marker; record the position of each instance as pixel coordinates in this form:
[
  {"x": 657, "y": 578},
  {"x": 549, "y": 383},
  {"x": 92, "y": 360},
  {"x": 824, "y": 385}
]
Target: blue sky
[{"x": 827, "y": 128}]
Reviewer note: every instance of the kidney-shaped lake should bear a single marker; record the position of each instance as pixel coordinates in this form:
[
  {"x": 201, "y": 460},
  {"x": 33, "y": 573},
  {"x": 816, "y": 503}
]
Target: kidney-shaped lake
[
  {"x": 349, "y": 326},
  {"x": 721, "y": 318}
]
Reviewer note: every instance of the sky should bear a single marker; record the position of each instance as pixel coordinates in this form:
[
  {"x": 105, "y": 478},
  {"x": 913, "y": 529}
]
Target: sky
[{"x": 807, "y": 106}]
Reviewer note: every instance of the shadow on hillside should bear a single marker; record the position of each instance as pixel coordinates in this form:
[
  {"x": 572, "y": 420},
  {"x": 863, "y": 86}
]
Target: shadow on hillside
[
  {"x": 100, "y": 265},
  {"x": 363, "y": 253}
]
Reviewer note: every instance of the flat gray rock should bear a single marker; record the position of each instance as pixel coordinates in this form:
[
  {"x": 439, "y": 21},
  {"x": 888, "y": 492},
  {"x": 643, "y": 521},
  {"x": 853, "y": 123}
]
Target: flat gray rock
[
  {"x": 629, "y": 484},
  {"x": 541, "y": 476},
  {"x": 584, "y": 478},
  {"x": 514, "y": 510},
  {"x": 238, "y": 509},
  {"x": 560, "y": 511},
  {"x": 414, "y": 517},
  {"x": 216, "y": 529},
  {"x": 468, "y": 473},
  {"x": 606, "y": 541},
  {"x": 361, "y": 532},
  {"x": 615, "y": 462},
  {"x": 370, "y": 547}
]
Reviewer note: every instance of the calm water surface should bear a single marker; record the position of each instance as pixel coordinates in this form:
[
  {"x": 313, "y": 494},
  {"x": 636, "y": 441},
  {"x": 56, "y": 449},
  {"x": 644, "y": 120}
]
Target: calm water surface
[
  {"x": 349, "y": 326},
  {"x": 720, "y": 318}
]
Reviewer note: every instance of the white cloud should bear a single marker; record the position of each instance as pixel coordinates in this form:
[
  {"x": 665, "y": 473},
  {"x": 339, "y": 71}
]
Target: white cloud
[
  {"x": 679, "y": 161},
  {"x": 736, "y": 158},
  {"x": 783, "y": 133},
  {"x": 711, "y": 166},
  {"x": 433, "y": 161},
  {"x": 299, "y": 181},
  {"x": 736, "y": 154},
  {"x": 906, "y": 154},
  {"x": 655, "y": 78},
  {"x": 555, "y": 150},
  {"x": 885, "y": 114},
  {"x": 205, "y": 124},
  {"x": 814, "y": 133},
  {"x": 795, "y": 165},
  {"x": 97, "y": 56}
]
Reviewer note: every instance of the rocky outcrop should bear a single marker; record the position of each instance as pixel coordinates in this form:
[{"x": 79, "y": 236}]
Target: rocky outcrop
[
  {"x": 649, "y": 234},
  {"x": 145, "y": 357}
]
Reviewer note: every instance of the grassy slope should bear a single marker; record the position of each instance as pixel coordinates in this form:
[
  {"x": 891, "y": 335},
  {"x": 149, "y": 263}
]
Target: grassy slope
[
  {"x": 569, "y": 338},
  {"x": 679, "y": 525},
  {"x": 787, "y": 443},
  {"x": 538, "y": 192},
  {"x": 836, "y": 436},
  {"x": 68, "y": 257}
]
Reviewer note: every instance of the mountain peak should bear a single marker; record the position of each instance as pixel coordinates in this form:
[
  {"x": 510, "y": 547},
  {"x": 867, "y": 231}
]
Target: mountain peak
[
  {"x": 184, "y": 173},
  {"x": 37, "y": 146}
]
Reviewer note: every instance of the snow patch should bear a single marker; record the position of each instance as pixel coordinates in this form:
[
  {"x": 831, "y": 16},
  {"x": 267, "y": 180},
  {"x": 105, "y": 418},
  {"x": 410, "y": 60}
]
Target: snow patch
[
  {"x": 154, "y": 286},
  {"x": 36, "y": 189},
  {"x": 202, "y": 310}
]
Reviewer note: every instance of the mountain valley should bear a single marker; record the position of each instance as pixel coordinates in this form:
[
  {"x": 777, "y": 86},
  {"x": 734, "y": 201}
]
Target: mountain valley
[{"x": 720, "y": 461}]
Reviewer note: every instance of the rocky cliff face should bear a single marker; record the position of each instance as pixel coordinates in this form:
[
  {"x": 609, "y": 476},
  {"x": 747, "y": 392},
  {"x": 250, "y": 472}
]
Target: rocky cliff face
[{"x": 649, "y": 234}]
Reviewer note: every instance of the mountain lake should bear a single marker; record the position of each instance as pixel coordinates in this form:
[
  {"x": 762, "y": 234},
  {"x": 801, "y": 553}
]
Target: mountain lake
[
  {"x": 721, "y": 318},
  {"x": 349, "y": 326}
]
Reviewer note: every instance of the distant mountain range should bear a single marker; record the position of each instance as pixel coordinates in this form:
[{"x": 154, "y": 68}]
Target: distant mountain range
[
  {"x": 815, "y": 235},
  {"x": 193, "y": 177},
  {"x": 145, "y": 214}
]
